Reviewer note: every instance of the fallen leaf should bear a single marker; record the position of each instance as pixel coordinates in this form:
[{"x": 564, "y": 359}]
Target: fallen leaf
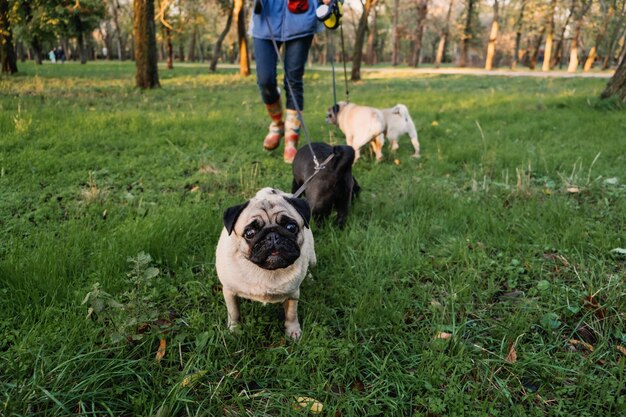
[
  {"x": 396, "y": 161},
  {"x": 512, "y": 356},
  {"x": 434, "y": 123},
  {"x": 311, "y": 404},
  {"x": 443, "y": 335},
  {"x": 161, "y": 351},
  {"x": 573, "y": 190},
  {"x": 584, "y": 345},
  {"x": 194, "y": 188},
  {"x": 622, "y": 349},
  {"x": 191, "y": 379},
  {"x": 592, "y": 303}
]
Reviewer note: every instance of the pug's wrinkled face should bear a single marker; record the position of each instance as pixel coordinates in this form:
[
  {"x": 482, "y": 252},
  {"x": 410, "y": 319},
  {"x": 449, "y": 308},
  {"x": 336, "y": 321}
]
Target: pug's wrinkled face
[
  {"x": 268, "y": 228},
  {"x": 272, "y": 245}
]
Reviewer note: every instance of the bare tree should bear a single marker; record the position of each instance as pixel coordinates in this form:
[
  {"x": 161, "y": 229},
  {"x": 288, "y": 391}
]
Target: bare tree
[
  {"x": 7, "y": 51},
  {"x": 144, "y": 32},
  {"x": 493, "y": 36},
  {"x": 467, "y": 33},
  {"x": 372, "y": 38},
  {"x": 443, "y": 39},
  {"x": 547, "y": 54},
  {"x": 518, "y": 34},
  {"x": 227, "y": 9},
  {"x": 617, "y": 84},
  {"x": 357, "y": 56},
  {"x": 395, "y": 41},
  {"x": 578, "y": 21},
  {"x": 240, "y": 17},
  {"x": 607, "y": 13},
  {"x": 422, "y": 12}
]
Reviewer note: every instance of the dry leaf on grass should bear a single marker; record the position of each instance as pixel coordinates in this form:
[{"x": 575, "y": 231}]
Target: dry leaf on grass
[
  {"x": 512, "y": 356},
  {"x": 396, "y": 161},
  {"x": 161, "y": 351},
  {"x": 195, "y": 188},
  {"x": 573, "y": 190},
  {"x": 622, "y": 349},
  {"x": 584, "y": 345},
  {"x": 443, "y": 336},
  {"x": 308, "y": 403}
]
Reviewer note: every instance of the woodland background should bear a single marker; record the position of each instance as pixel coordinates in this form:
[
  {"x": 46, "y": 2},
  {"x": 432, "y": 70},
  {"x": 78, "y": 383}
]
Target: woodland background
[{"x": 538, "y": 34}]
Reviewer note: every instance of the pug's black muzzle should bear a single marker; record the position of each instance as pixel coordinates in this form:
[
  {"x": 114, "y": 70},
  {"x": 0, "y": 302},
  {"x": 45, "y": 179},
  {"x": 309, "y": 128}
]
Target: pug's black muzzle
[{"x": 274, "y": 248}]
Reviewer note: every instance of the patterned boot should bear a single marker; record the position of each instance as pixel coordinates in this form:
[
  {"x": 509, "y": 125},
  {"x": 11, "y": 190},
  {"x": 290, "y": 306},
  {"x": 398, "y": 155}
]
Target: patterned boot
[
  {"x": 277, "y": 127},
  {"x": 292, "y": 134}
]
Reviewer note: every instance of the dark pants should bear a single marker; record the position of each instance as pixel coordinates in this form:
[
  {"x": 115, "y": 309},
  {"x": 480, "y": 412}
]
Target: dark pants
[{"x": 295, "y": 53}]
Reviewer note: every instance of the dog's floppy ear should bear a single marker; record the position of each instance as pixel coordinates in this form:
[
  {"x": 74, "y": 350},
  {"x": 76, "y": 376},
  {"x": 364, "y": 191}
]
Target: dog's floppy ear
[
  {"x": 231, "y": 215},
  {"x": 302, "y": 207}
]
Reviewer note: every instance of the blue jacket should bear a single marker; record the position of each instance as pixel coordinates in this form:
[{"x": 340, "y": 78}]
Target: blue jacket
[{"x": 284, "y": 24}]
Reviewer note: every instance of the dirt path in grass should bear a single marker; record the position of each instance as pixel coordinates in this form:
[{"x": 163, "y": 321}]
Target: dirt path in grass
[{"x": 480, "y": 72}]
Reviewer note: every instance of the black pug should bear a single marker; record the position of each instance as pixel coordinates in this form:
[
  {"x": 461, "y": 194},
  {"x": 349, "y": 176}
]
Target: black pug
[{"x": 334, "y": 186}]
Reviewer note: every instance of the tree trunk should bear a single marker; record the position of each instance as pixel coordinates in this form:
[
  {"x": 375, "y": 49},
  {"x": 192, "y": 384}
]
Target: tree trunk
[
  {"x": 518, "y": 34},
  {"x": 244, "y": 59},
  {"x": 191, "y": 55},
  {"x": 357, "y": 56},
  {"x": 7, "y": 51},
  {"x": 372, "y": 37},
  {"x": 606, "y": 63},
  {"x": 218, "y": 43},
  {"x": 80, "y": 39},
  {"x": 573, "y": 50},
  {"x": 467, "y": 34},
  {"x": 535, "y": 55},
  {"x": 617, "y": 84},
  {"x": 547, "y": 53},
  {"x": 578, "y": 22},
  {"x": 558, "y": 55},
  {"x": 441, "y": 49},
  {"x": 422, "y": 12},
  {"x": 37, "y": 50},
  {"x": 118, "y": 33},
  {"x": 395, "y": 42},
  {"x": 169, "y": 49},
  {"x": 144, "y": 33},
  {"x": 493, "y": 36},
  {"x": 608, "y": 14}
]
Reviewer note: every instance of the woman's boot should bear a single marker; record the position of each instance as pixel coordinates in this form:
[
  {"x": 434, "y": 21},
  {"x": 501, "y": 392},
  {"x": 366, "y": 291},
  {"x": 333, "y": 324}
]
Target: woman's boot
[
  {"x": 292, "y": 134},
  {"x": 277, "y": 127}
]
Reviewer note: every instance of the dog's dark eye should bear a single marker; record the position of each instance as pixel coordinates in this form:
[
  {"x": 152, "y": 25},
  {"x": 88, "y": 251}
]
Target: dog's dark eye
[
  {"x": 292, "y": 227},
  {"x": 249, "y": 233}
]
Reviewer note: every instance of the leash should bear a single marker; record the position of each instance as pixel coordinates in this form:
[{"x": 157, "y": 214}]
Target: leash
[
  {"x": 308, "y": 180},
  {"x": 293, "y": 96},
  {"x": 318, "y": 166},
  {"x": 345, "y": 71}
]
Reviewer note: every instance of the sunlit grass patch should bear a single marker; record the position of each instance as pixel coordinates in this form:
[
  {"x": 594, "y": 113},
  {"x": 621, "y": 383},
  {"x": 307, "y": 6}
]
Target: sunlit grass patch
[{"x": 506, "y": 237}]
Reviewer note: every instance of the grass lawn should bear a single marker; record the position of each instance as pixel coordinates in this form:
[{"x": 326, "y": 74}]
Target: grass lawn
[{"x": 486, "y": 278}]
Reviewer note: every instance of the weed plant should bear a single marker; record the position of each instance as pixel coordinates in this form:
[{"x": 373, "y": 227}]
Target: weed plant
[{"x": 486, "y": 278}]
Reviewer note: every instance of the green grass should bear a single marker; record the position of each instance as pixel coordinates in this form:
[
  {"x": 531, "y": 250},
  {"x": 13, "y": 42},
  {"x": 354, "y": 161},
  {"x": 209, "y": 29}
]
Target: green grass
[{"x": 500, "y": 235}]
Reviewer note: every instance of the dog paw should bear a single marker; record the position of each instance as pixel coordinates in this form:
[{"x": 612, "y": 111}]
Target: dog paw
[
  {"x": 293, "y": 331},
  {"x": 234, "y": 327}
]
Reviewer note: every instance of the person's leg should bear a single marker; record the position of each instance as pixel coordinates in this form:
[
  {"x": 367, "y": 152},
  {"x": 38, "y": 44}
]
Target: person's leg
[
  {"x": 266, "y": 59},
  {"x": 296, "y": 54}
]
